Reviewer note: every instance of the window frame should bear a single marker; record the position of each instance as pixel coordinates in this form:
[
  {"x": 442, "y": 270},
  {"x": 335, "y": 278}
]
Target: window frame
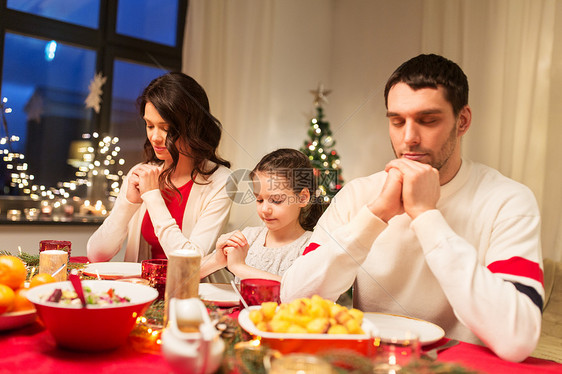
[{"x": 104, "y": 40}]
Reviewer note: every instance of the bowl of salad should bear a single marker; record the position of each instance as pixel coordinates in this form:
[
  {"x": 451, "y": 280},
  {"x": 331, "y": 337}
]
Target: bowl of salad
[{"x": 111, "y": 311}]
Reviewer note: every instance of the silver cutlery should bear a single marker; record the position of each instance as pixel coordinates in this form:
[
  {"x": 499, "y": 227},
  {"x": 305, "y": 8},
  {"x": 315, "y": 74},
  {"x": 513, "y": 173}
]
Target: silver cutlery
[
  {"x": 59, "y": 269},
  {"x": 239, "y": 294},
  {"x": 432, "y": 353}
]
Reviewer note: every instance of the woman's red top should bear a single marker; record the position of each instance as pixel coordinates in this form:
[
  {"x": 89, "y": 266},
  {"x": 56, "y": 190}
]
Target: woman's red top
[{"x": 176, "y": 207}]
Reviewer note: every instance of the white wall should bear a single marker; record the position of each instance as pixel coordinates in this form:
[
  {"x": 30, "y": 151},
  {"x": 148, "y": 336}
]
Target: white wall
[
  {"x": 350, "y": 46},
  {"x": 368, "y": 45}
]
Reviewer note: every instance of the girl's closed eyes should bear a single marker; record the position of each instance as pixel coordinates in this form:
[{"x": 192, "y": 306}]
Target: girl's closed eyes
[{"x": 277, "y": 199}]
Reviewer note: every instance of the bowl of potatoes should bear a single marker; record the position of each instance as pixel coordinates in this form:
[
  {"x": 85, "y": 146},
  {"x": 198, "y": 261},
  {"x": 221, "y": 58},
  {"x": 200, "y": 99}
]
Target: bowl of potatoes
[{"x": 309, "y": 325}]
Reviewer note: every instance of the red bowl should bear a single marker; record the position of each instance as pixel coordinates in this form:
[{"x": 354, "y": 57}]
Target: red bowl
[{"x": 94, "y": 328}]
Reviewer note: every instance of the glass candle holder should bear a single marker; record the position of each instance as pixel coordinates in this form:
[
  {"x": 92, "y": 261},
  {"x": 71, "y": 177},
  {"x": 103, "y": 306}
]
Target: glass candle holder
[
  {"x": 257, "y": 291},
  {"x": 250, "y": 357},
  {"x": 154, "y": 270},
  {"x": 46, "y": 208},
  {"x": 395, "y": 349},
  {"x": 300, "y": 363},
  {"x": 31, "y": 214},
  {"x": 50, "y": 245},
  {"x": 13, "y": 215}
]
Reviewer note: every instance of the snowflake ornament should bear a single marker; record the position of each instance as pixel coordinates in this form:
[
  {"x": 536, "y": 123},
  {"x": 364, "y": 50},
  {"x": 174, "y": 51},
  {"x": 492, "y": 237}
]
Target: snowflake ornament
[{"x": 94, "y": 97}]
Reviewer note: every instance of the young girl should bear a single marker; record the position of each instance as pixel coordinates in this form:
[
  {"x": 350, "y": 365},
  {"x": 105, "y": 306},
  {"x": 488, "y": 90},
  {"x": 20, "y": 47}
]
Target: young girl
[
  {"x": 285, "y": 189},
  {"x": 176, "y": 198}
]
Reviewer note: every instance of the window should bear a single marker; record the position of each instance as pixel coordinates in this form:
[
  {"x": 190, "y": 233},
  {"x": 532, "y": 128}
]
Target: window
[{"x": 51, "y": 52}]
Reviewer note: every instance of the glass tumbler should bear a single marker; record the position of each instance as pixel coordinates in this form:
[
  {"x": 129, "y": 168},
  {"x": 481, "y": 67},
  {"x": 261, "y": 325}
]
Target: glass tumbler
[
  {"x": 257, "y": 291},
  {"x": 395, "y": 349},
  {"x": 154, "y": 271},
  {"x": 48, "y": 245}
]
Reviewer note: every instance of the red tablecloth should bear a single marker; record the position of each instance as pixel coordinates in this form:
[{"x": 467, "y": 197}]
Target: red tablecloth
[
  {"x": 32, "y": 350},
  {"x": 482, "y": 359}
]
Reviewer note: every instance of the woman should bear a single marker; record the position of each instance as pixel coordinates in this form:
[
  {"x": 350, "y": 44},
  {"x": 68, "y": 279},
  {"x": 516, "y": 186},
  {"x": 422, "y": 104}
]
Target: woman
[{"x": 176, "y": 199}]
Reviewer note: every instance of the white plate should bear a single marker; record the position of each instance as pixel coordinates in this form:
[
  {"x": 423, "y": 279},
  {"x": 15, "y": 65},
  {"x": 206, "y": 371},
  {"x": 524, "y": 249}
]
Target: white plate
[
  {"x": 14, "y": 320},
  {"x": 220, "y": 294},
  {"x": 426, "y": 331},
  {"x": 113, "y": 270}
]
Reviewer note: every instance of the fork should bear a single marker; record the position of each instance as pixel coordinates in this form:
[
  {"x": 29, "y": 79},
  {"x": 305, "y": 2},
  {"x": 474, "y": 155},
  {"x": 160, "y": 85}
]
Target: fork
[
  {"x": 432, "y": 353},
  {"x": 239, "y": 294}
]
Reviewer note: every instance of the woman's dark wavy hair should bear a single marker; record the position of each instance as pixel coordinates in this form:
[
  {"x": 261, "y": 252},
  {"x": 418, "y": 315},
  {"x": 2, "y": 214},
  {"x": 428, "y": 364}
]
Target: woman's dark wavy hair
[
  {"x": 183, "y": 104},
  {"x": 431, "y": 71},
  {"x": 296, "y": 168}
]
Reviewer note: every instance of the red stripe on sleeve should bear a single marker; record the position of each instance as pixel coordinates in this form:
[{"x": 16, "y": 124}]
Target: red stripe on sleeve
[
  {"x": 311, "y": 247},
  {"x": 518, "y": 266}
]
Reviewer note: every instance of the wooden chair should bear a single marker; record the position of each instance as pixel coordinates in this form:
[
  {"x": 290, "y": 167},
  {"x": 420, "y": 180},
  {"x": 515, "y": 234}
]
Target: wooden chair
[{"x": 550, "y": 342}]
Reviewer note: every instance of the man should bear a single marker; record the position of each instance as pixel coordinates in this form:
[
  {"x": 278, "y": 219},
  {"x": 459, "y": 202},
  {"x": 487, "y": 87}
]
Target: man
[{"x": 434, "y": 236}]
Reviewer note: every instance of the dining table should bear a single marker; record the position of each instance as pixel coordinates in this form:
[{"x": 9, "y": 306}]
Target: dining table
[{"x": 32, "y": 349}]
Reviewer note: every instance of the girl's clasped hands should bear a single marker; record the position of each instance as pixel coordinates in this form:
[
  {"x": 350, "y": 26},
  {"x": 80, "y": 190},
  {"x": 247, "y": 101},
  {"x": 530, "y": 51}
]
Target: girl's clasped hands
[{"x": 233, "y": 251}]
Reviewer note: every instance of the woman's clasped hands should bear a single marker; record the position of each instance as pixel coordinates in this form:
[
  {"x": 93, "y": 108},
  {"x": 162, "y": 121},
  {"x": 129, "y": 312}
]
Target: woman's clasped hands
[{"x": 143, "y": 178}]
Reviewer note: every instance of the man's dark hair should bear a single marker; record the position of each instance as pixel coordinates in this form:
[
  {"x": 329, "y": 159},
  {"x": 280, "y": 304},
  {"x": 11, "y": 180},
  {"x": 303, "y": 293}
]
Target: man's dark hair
[{"x": 431, "y": 70}]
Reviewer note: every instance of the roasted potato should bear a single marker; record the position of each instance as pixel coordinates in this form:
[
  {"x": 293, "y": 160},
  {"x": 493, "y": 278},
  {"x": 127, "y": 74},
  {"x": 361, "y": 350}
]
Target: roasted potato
[{"x": 313, "y": 315}]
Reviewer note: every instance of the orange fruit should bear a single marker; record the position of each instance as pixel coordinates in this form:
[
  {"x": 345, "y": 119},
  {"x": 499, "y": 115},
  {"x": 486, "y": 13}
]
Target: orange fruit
[
  {"x": 21, "y": 302},
  {"x": 41, "y": 278},
  {"x": 6, "y": 298},
  {"x": 12, "y": 271}
]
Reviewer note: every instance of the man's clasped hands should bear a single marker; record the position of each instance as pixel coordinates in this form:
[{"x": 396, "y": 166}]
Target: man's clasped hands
[{"x": 411, "y": 187}]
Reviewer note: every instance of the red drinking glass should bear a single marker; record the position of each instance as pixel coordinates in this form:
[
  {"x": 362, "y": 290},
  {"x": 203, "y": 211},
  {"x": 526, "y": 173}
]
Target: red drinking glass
[
  {"x": 257, "y": 291},
  {"x": 154, "y": 270},
  {"x": 62, "y": 245}
]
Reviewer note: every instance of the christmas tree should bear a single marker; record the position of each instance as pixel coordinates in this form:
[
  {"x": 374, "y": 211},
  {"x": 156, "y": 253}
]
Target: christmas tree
[{"x": 319, "y": 149}]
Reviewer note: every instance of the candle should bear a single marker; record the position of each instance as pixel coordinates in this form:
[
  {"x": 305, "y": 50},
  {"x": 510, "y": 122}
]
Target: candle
[
  {"x": 13, "y": 215},
  {"x": 31, "y": 214},
  {"x": 46, "y": 208},
  {"x": 182, "y": 277},
  {"x": 299, "y": 363}
]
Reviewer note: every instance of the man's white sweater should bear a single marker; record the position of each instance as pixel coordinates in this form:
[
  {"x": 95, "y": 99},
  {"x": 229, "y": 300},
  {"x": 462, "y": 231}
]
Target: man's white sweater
[{"x": 473, "y": 266}]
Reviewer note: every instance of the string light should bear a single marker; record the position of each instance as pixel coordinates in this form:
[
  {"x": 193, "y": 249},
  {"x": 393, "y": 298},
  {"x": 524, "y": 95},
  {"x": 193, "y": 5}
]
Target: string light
[
  {"x": 94, "y": 162},
  {"x": 319, "y": 150}
]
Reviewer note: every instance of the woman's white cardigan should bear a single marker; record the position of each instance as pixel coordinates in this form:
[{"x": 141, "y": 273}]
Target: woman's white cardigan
[{"x": 206, "y": 213}]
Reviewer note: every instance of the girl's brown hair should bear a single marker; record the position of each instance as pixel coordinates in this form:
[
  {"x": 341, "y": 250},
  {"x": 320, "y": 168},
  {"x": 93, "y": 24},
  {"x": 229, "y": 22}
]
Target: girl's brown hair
[{"x": 297, "y": 169}]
